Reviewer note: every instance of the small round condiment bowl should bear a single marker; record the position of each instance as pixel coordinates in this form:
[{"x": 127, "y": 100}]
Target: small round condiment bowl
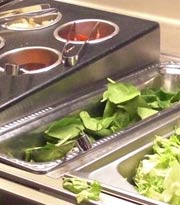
[
  {"x": 31, "y": 60},
  {"x": 82, "y": 29}
]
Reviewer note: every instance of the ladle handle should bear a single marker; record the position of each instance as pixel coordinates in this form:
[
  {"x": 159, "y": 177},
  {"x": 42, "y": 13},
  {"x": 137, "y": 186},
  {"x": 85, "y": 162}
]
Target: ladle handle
[
  {"x": 83, "y": 142},
  {"x": 11, "y": 69},
  {"x": 72, "y": 52}
]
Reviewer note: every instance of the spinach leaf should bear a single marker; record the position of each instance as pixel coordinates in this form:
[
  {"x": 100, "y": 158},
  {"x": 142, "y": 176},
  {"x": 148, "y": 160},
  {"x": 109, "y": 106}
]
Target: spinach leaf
[
  {"x": 164, "y": 99},
  {"x": 176, "y": 97},
  {"x": 150, "y": 98},
  {"x": 145, "y": 112},
  {"x": 120, "y": 92},
  {"x": 110, "y": 109},
  {"x": 121, "y": 120},
  {"x": 124, "y": 105},
  {"x": 160, "y": 99},
  {"x": 101, "y": 133},
  {"x": 49, "y": 152},
  {"x": 132, "y": 105},
  {"x": 95, "y": 124},
  {"x": 69, "y": 126}
]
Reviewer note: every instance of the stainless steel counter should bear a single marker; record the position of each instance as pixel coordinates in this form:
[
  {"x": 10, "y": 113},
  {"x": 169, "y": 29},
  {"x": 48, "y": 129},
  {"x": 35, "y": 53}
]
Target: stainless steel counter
[
  {"x": 14, "y": 193},
  {"x": 163, "y": 11},
  {"x": 48, "y": 187}
]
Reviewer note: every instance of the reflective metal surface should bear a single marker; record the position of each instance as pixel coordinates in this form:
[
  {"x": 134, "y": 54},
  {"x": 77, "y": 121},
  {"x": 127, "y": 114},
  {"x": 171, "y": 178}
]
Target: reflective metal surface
[
  {"x": 49, "y": 185},
  {"x": 116, "y": 169},
  {"x": 98, "y": 162},
  {"x": 30, "y": 134},
  {"x": 95, "y": 65},
  {"x": 31, "y": 60},
  {"x": 2, "y": 42},
  {"x": 170, "y": 77},
  {"x": 163, "y": 11},
  {"x": 23, "y": 10},
  {"x": 28, "y": 23},
  {"x": 14, "y": 194},
  {"x": 83, "y": 28}
]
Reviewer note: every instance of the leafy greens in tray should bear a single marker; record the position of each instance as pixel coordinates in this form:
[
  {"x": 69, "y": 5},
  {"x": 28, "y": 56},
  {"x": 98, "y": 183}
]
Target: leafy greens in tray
[
  {"x": 84, "y": 191},
  {"x": 123, "y": 103},
  {"x": 157, "y": 175}
]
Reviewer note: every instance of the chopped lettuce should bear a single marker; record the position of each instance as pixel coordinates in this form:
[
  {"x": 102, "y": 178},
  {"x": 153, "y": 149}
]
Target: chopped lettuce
[
  {"x": 157, "y": 175},
  {"x": 84, "y": 191}
]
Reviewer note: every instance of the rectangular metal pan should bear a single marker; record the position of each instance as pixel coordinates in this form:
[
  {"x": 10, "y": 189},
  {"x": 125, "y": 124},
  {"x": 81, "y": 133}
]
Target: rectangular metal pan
[
  {"x": 115, "y": 169},
  {"x": 27, "y": 132}
]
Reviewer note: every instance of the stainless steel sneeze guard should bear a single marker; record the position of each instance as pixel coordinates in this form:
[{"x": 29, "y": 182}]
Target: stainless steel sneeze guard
[{"x": 27, "y": 131}]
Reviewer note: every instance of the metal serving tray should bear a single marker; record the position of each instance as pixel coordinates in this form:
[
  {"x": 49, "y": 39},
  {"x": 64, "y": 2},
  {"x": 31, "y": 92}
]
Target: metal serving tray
[
  {"x": 115, "y": 169},
  {"x": 27, "y": 131}
]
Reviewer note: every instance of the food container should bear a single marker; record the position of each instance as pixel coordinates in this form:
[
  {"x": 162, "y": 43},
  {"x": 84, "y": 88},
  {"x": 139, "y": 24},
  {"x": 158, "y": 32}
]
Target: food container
[
  {"x": 170, "y": 77},
  {"x": 115, "y": 165},
  {"x": 32, "y": 23},
  {"x": 31, "y": 60},
  {"x": 28, "y": 131},
  {"x": 83, "y": 31}
]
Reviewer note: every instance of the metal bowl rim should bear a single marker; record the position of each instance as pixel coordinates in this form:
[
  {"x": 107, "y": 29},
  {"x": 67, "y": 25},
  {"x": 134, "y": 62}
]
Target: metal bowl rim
[
  {"x": 57, "y": 19},
  {"x": 58, "y": 53},
  {"x": 116, "y": 31},
  {"x": 2, "y": 42}
]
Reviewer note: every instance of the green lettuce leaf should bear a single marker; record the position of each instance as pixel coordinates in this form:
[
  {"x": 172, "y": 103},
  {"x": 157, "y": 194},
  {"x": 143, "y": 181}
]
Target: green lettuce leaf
[
  {"x": 84, "y": 191},
  {"x": 157, "y": 175}
]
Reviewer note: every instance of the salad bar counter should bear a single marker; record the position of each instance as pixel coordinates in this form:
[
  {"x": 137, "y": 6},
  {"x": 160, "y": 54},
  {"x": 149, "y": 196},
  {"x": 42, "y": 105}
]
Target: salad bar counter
[
  {"x": 89, "y": 109},
  {"x": 50, "y": 160},
  {"x": 51, "y": 140}
]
